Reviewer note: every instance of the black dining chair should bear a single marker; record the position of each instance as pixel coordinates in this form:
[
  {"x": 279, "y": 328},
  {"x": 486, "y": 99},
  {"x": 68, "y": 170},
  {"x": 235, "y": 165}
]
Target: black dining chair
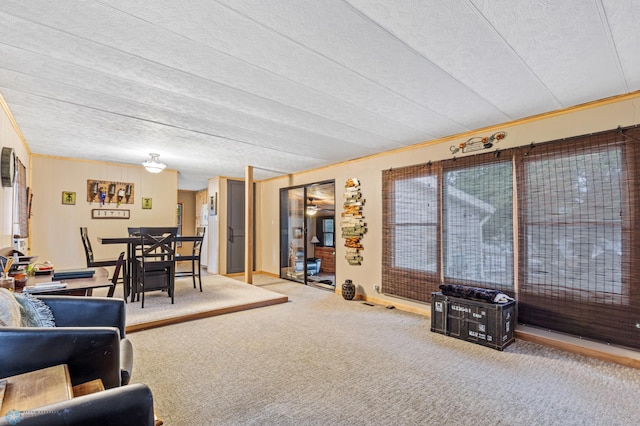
[
  {"x": 155, "y": 262},
  {"x": 133, "y": 251},
  {"x": 194, "y": 258},
  {"x": 88, "y": 251},
  {"x": 116, "y": 277}
]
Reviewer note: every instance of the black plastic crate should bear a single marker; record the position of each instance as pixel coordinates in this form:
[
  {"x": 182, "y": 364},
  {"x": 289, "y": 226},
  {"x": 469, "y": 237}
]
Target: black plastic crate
[{"x": 487, "y": 324}]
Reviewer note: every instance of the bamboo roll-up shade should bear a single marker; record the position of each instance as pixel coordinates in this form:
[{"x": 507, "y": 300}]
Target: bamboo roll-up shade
[
  {"x": 578, "y": 236},
  {"x": 477, "y": 221},
  {"x": 577, "y": 245},
  {"x": 410, "y": 216}
]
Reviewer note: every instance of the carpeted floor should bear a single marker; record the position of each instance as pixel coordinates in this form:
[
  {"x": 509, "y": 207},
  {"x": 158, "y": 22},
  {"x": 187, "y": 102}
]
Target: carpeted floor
[
  {"x": 220, "y": 295},
  {"x": 321, "y": 360}
]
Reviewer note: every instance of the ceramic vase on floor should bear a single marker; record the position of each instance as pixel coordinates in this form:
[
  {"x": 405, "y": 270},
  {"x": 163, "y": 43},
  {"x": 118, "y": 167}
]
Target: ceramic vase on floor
[{"x": 348, "y": 290}]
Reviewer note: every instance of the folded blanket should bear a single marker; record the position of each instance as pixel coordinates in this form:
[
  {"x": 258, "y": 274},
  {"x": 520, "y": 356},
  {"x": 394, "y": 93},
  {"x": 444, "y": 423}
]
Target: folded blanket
[{"x": 474, "y": 293}]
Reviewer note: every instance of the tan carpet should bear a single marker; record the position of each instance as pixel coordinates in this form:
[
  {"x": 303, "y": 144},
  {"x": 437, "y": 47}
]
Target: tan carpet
[
  {"x": 321, "y": 360},
  {"x": 220, "y": 295}
]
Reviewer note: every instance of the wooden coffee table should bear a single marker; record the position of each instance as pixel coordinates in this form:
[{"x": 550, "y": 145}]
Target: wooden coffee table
[
  {"x": 75, "y": 286},
  {"x": 27, "y": 391},
  {"x": 36, "y": 388}
]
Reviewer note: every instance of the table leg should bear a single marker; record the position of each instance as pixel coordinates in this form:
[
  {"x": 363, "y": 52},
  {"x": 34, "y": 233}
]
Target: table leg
[{"x": 133, "y": 278}]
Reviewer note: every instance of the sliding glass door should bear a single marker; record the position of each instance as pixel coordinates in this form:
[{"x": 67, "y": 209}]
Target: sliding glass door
[
  {"x": 292, "y": 230},
  {"x": 307, "y": 234}
]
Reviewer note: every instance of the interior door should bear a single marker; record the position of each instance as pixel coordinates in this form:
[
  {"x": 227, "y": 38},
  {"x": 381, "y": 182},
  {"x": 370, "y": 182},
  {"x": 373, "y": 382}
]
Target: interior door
[{"x": 235, "y": 224}]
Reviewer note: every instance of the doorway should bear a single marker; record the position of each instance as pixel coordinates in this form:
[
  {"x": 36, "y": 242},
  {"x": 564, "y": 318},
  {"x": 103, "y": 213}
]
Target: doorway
[
  {"x": 235, "y": 226},
  {"x": 307, "y": 234}
]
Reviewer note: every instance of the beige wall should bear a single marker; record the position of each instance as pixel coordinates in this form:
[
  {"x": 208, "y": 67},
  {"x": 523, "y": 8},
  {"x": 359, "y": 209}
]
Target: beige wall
[
  {"x": 59, "y": 241},
  {"x": 202, "y": 219},
  {"x": 55, "y": 228},
  {"x": 593, "y": 118},
  {"x": 213, "y": 230},
  {"x": 10, "y": 137}
]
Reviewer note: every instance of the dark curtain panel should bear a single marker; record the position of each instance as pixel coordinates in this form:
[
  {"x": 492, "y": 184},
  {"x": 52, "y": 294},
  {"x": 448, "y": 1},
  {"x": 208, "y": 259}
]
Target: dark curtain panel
[{"x": 21, "y": 201}]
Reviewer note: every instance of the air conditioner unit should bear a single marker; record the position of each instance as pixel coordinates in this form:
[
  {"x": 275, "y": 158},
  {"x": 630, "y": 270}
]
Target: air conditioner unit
[{"x": 20, "y": 244}]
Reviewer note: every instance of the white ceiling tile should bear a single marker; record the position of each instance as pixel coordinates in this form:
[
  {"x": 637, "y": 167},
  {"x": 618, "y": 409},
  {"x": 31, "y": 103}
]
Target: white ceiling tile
[
  {"x": 564, "y": 43},
  {"x": 216, "y": 85},
  {"x": 462, "y": 43},
  {"x": 373, "y": 63},
  {"x": 154, "y": 59},
  {"x": 623, "y": 17}
]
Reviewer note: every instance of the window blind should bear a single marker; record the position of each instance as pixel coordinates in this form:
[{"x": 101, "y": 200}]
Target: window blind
[
  {"x": 411, "y": 199},
  {"x": 449, "y": 220},
  {"x": 478, "y": 221},
  {"x": 578, "y": 249},
  {"x": 577, "y": 210}
]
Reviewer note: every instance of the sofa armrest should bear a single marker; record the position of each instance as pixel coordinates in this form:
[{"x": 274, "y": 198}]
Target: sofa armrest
[
  {"x": 128, "y": 405},
  {"x": 90, "y": 353},
  {"x": 72, "y": 311},
  {"x": 126, "y": 361}
]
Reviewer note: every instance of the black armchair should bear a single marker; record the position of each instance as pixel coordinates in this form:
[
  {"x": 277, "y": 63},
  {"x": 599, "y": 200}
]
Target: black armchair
[
  {"x": 128, "y": 405},
  {"x": 89, "y": 337}
]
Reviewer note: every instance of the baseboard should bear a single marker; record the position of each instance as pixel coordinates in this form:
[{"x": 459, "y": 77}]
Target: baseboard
[
  {"x": 397, "y": 304},
  {"x": 617, "y": 354}
]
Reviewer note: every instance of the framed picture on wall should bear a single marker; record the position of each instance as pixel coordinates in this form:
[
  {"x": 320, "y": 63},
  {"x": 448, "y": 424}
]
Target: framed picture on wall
[
  {"x": 297, "y": 232},
  {"x": 110, "y": 214},
  {"x": 147, "y": 203},
  {"x": 68, "y": 197}
]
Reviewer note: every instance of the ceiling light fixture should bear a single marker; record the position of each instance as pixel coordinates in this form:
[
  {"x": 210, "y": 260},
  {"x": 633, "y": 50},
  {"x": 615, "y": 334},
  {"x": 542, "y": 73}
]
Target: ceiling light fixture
[
  {"x": 154, "y": 165},
  {"x": 311, "y": 208}
]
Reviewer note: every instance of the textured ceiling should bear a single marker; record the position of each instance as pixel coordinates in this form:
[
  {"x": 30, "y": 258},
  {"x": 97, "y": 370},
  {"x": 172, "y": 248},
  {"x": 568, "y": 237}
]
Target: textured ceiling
[{"x": 287, "y": 86}]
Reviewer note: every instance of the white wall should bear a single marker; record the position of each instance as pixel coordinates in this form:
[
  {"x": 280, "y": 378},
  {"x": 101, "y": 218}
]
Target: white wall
[{"x": 588, "y": 119}]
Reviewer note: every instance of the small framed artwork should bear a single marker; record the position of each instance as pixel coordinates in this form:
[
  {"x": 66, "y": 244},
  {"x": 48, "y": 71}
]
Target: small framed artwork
[
  {"x": 68, "y": 198},
  {"x": 297, "y": 232},
  {"x": 147, "y": 203},
  {"x": 110, "y": 214}
]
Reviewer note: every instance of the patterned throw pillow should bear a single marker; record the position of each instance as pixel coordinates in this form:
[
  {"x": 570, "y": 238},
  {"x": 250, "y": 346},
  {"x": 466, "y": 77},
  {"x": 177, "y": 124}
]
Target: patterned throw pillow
[
  {"x": 9, "y": 309},
  {"x": 24, "y": 310}
]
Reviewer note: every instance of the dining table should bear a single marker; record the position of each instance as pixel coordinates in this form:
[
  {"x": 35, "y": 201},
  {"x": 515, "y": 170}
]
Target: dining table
[{"x": 131, "y": 242}]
